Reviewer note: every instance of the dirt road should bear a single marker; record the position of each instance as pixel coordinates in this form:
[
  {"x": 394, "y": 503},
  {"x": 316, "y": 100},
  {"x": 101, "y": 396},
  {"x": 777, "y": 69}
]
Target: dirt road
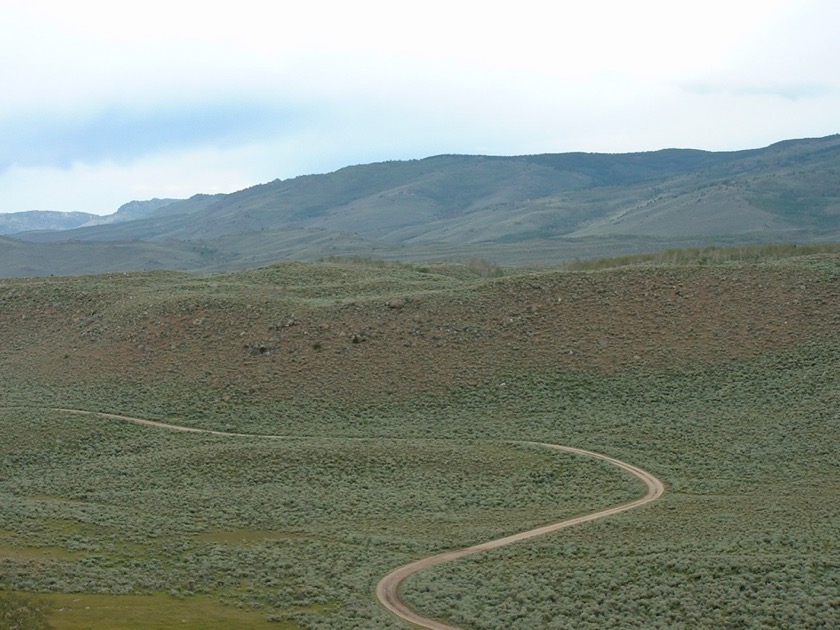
[
  {"x": 388, "y": 589},
  {"x": 164, "y": 425}
]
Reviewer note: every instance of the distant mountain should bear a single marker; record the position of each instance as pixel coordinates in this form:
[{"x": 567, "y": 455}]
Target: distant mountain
[
  {"x": 13, "y": 222},
  {"x": 132, "y": 211},
  {"x": 534, "y": 209},
  {"x": 57, "y": 222}
]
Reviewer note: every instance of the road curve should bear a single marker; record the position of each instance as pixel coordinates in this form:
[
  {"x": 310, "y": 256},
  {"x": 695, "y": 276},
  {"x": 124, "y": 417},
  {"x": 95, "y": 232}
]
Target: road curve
[{"x": 388, "y": 589}]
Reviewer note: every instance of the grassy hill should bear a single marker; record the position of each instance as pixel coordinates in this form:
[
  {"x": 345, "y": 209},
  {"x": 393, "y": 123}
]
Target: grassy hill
[
  {"x": 541, "y": 208},
  {"x": 400, "y": 388}
]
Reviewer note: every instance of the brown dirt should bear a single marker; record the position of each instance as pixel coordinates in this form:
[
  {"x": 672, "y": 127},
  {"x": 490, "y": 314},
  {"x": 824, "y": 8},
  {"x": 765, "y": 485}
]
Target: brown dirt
[{"x": 603, "y": 322}]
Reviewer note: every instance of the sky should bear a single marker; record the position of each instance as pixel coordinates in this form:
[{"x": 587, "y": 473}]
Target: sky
[{"x": 106, "y": 102}]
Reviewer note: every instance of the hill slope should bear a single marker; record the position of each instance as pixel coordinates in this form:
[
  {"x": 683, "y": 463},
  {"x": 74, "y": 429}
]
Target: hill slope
[
  {"x": 12, "y": 222},
  {"x": 401, "y": 389},
  {"x": 466, "y": 204},
  {"x": 176, "y": 326}
]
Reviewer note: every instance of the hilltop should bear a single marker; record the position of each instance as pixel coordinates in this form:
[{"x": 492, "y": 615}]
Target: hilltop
[
  {"x": 53, "y": 221},
  {"x": 299, "y": 329}
]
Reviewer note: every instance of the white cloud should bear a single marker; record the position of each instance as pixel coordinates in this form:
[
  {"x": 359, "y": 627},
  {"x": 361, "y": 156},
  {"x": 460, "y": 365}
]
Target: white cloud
[
  {"x": 107, "y": 102},
  {"x": 101, "y": 188}
]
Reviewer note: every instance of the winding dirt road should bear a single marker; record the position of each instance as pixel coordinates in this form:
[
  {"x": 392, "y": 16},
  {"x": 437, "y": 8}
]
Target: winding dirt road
[{"x": 388, "y": 589}]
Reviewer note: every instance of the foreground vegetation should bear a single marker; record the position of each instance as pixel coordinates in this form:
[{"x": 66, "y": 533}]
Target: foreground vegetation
[
  {"x": 710, "y": 255},
  {"x": 300, "y": 528},
  {"x": 745, "y": 536},
  {"x": 734, "y": 404}
]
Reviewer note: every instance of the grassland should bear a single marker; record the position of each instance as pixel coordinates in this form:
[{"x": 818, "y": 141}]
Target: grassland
[{"x": 399, "y": 387}]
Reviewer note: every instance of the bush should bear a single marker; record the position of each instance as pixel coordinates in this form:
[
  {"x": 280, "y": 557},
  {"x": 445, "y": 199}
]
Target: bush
[{"x": 22, "y": 613}]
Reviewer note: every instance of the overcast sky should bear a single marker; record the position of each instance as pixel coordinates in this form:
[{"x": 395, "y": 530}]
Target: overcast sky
[{"x": 105, "y": 102}]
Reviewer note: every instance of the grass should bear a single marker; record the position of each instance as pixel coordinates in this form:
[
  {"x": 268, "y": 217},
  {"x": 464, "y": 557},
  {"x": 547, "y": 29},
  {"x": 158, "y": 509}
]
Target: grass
[
  {"x": 745, "y": 536},
  {"x": 19, "y": 554},
  {"x": 276, "y": 526},
  {"x": 23, "y": 612},
  {"x": 244, "y": 536},
  {"x": 156, "y": 611},
  {"x": 708, "y": 255}
]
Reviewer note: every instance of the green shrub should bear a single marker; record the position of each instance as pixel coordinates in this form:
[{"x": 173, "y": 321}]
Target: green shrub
[{"x": 22, "y": 613}]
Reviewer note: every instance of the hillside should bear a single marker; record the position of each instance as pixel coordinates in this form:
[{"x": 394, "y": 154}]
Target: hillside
[
  {"x": 12, "y": 222},
  {"x": 257, "y": 329},
  {"x": 544, "y": 208},
  {"x": 404, "y": 393}
]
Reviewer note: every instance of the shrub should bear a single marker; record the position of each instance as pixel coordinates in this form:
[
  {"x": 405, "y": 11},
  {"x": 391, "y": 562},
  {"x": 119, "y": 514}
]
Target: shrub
[{"x": 22, "y": 613}]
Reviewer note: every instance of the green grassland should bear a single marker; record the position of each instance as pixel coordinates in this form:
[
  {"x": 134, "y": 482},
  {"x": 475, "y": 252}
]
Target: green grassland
[{"x": 402, "y": 391}]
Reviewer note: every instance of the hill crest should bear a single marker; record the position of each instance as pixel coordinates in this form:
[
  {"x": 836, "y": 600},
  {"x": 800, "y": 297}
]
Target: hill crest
[{"x": 500, "y": 208}]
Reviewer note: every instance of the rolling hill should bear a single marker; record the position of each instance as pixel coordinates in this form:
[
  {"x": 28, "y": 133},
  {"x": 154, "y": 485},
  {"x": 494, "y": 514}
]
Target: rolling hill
[
  {"x": 370, "y": 414},
  {"x": 511, "y": 210}
]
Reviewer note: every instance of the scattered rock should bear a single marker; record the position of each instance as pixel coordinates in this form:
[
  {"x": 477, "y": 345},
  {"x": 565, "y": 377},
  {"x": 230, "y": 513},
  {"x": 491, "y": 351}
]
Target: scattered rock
[{"x": 256, "y": 349}]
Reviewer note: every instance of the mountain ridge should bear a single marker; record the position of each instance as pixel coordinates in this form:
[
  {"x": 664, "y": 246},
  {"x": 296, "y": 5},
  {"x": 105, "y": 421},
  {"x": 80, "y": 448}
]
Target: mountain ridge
[{"x": 464, "y": 204}]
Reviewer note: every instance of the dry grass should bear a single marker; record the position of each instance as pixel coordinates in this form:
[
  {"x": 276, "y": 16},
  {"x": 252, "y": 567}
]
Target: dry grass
[{"x": 80, "y": 611}]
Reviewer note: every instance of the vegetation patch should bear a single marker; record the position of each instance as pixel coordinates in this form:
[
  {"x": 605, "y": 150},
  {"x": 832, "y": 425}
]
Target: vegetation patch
[
  {"x": 244, "y": 536},
  {"x": 156, "y": 611},
  {"x": 23, "y": 612}
]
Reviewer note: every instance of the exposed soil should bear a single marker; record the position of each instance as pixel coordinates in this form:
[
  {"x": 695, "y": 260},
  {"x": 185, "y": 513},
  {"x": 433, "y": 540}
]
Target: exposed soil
[{"x": 398, "y": 346}]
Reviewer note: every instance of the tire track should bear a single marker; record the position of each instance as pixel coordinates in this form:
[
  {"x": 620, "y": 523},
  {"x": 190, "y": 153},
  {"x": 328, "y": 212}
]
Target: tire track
[
  {"x": 165, "y": 425},
  {"x": 388, "y": 589}
]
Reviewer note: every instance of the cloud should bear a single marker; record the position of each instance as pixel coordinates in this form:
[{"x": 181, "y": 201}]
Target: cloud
[
  {"x": 169, "y": 99},
  {"x": 747, "y": 88},
  {"x": 102, "y": 187},
  {"x": 125, "y": 134}
]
